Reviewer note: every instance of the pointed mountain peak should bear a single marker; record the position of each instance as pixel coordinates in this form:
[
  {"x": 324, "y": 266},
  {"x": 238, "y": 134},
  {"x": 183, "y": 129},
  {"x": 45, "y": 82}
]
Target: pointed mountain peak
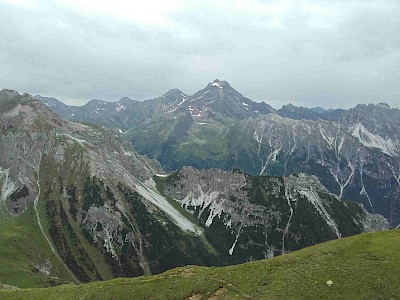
[
  {"x": 9, "y": 93},
  {"x": 126, "y": 100},
  {"x": 174, "y": 93},
  {"x": 96, "y": 102},
  {"x": 220, "y": 83},
  {"x": 218, "y": 89},
  {"x": 174, "y": 96},
  {"x": 218, "y": 97},
  {"x": 289, "y": 106}
]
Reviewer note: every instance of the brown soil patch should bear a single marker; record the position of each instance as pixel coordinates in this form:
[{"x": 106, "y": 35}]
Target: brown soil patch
[
  {"x": 196, "y": 296},
  {"x": 187, "y": 272},
  {"x": 217, "y": 294}
]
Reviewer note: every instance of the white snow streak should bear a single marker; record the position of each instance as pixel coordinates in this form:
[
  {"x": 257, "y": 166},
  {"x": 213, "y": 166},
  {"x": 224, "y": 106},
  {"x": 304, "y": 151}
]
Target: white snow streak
[
  {"x": 397, "y": 178},
  {"x": 162, "y": 175},
  {"x": 271, "y": 157},
  {"x": 363, "y": 190},
  {"x": 294, "y": 139},
  {"x": 120, "y": 107},
  {"x": 314, "y": 198},
  {"x": 343, "y": 185},
  {"x": 234, "y": 244},
  {"x": 288, "y": 199},
  {"x": 328, "y": 139}
]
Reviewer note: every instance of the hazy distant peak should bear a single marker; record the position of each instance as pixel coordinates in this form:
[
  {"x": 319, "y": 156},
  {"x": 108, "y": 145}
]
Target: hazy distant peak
[
  {"x": 289, "y": 106},
  {"x": 126, "y": 100},
  {"x": 174, "y": 93},
  {"x": 383, "y": 105},
  {"x": 96, "y": 102}
]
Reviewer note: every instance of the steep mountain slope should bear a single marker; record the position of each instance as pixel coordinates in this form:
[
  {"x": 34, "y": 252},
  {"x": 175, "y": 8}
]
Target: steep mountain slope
[
  {"x": 90, "y": 208},
  {"x": 354, "y": 153},
  {"x": 360, "y": 267},
  {"x": 254, "y": 217},
  {"x": 95, "y": 215},
  {"x": 350, "y": 161}
]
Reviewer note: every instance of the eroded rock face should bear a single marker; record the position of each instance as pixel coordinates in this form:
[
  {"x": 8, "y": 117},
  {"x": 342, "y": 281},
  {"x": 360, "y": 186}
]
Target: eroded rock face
[
  {"x": 19, "y": 167},
  {"x": 264, "y": 216},
  {"x": 352, "y": 160}
]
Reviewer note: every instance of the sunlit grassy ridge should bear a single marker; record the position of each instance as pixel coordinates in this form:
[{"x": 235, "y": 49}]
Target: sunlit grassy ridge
[{"x": 366, "y": 266}]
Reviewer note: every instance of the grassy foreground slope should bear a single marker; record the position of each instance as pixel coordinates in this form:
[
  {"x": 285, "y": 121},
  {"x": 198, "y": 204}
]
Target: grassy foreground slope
[{"x": 366, "y": 266}]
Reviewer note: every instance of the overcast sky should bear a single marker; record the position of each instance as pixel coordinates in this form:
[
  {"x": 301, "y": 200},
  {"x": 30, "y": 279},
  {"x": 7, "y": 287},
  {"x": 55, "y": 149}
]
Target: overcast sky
[{"x": 311, "y": 53}]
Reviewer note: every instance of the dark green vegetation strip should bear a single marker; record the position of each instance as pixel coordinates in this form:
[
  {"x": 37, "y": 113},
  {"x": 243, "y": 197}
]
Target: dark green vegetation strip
[{"x": 361, "y": 267}]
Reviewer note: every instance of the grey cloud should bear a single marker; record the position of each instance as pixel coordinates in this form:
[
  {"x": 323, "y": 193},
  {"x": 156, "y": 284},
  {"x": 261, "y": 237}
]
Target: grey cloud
[{"x": 348, "y": 58}]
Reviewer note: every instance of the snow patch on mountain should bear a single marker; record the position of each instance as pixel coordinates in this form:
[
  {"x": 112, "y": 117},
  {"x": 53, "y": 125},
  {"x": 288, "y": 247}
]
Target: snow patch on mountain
[
  {"x": 218, "y": 84},
  {"x": 120, "y": 107},
  {"x": 184, "y": 98}
]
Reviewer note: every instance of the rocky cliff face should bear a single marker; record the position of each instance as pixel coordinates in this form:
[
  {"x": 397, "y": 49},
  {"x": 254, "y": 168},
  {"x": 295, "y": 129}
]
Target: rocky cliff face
[
  {"x": 351, "y": 160},
  {"x": 79, "y": 204},
  {"x": 253, "y": 217}
]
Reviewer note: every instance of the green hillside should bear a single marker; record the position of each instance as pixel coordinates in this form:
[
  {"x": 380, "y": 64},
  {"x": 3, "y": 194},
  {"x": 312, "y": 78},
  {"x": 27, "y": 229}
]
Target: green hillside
[{"x": 366, "y": 266}]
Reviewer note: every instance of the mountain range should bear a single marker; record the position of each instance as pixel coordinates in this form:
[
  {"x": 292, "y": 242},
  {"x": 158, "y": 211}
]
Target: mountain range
[
  {"x": 79, "y": 204},
  {"x": 354, "y": 153}
]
